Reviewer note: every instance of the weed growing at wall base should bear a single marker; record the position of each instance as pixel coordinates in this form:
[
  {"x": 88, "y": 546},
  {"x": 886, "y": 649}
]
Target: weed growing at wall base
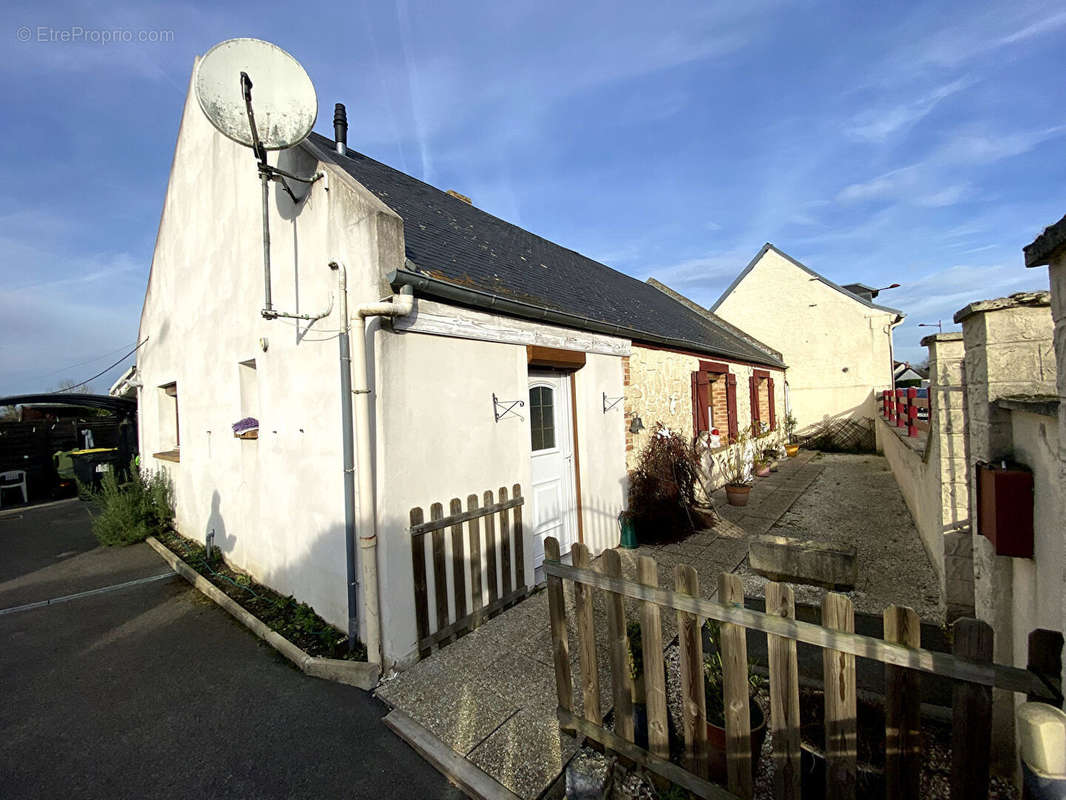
[{"x": 131, "y": 512}]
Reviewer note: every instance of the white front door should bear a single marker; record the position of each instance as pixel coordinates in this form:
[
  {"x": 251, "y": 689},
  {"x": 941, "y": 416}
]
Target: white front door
[{"x": 551, "y": 444}]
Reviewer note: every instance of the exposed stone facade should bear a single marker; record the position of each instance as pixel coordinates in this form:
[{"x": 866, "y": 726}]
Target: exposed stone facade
[{"x": 658, "y": 388}]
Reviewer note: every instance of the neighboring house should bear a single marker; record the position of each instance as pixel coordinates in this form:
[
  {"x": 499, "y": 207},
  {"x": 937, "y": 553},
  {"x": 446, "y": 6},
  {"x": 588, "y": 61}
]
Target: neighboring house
[
  {"x": 906, "y": 375},
  {"x": 465, "y": 316},
  {"x": 836, "y": 341}
]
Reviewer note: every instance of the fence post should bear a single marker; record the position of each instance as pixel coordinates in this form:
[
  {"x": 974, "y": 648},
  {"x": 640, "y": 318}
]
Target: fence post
[
  {"x": 971, "y": 725},
  {"x": 490, "y": 550},
  {"x": 784, "y": 696},
  {"x": 901, "y": 408},
  {"x": 418, "y": 563},
  {"x": 474, "y": 548},
  {"x": 735, "y": 693},
  {"x": 440, "y": 577},
  {"x": 651, "y": 636},
  {"x": 458, "y": 561},
  {"x": 693, "y": 699},
  {"x": 841, "y": 724},
  {"x": 912, "y": 412},
  {"x": 505, "y": 544},
  {"x": 903, "y": 742},
  {"x": 618, "y": 648},
  {"x": 560, "y": 643},
  {"x": 585, "y": 623}
]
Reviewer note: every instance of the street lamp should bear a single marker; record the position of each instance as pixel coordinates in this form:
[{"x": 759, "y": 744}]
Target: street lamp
[
  {"x": 883, "y": 288},
  {"x": 938, "y": 326}
]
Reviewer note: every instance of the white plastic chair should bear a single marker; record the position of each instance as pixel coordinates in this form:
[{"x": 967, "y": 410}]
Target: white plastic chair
[{"x": 15, "y": 479}]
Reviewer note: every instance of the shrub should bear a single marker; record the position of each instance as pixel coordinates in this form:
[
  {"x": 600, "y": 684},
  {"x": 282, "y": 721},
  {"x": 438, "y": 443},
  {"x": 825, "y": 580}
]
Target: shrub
[
  {"x": 126, "y": 513},
  {"x": 662, "y": 489}
]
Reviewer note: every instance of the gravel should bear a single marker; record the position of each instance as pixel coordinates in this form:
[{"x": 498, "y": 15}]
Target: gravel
[{"x": 855, "y": 501}]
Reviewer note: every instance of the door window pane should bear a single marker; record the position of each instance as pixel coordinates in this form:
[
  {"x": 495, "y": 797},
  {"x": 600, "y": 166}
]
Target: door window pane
[{"x": 541, "y": 418}]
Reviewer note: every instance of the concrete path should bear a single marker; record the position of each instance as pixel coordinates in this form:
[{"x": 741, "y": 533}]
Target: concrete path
[
  {"x": 153, "y": 691},
  {"x": 490, "y": 696}
]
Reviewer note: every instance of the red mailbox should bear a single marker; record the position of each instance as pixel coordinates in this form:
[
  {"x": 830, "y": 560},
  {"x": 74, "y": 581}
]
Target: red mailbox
[{"x": 1005, "y": 507}]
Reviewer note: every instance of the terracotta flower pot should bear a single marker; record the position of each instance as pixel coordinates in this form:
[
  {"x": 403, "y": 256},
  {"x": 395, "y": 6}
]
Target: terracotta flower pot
[
  {"x": 792, "y": 449},
  {"x": 737, "y": 495},
  {"x": 716, "y": 743},
  {"x": 763, "y": 472}
]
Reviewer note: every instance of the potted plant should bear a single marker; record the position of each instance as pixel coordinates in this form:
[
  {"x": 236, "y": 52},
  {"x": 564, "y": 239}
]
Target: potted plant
[
  {"x": 662, "y": 489},
  {"x": 713, "y": 686},
  {"x": 791, "y": 448},
  {"x": 737, "y": 467},
  {"x": 761, "y": 466}
]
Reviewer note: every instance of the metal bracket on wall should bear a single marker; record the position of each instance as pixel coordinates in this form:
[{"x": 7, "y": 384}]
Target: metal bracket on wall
[
  {"x": 510, "y": 405},
  {"x": 610, "y": 402}
]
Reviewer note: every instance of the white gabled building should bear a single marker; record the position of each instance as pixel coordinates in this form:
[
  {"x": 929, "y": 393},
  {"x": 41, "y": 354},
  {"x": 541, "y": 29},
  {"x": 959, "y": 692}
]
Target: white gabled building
[
  {"x": 478, "y": 314},
  {"x": 835, "y": 339}
]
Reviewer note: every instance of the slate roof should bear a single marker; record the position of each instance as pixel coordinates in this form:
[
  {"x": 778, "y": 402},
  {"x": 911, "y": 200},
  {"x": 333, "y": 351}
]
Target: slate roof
[
  {"x": 842, "y": 289},
  {"x": 460, "y": 244}
]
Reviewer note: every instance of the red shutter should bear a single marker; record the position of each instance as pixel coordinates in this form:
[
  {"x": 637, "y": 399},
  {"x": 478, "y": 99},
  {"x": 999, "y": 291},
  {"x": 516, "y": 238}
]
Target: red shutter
[
  {"x": 753, "y": 395},
  {"x": 770, "y": 390},
  {"x": 695, "y": 404},
  {"x": 731, "y": 404},
  {"x": 700, "y": 398}
]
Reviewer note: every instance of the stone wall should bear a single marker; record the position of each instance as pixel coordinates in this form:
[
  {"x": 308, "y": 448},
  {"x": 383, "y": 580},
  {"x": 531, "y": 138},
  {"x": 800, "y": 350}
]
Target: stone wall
[
  {"x": 658, "y": 388},
  {"x": 931, "y": 473},
  {"x": 1009, "y": 351}
]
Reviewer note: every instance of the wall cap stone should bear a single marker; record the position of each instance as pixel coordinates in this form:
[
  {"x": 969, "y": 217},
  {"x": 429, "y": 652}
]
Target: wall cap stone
[
  {"x": 1045, "y": 246},
  {"x": 1044, "y": 404},
  {"x": 1016, "y": 300},
  {"x": 952, "y": 336}
]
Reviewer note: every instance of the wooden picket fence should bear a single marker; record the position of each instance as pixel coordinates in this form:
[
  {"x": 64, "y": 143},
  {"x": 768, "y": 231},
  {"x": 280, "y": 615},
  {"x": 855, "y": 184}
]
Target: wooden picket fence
[
  {"x": 461, "y": 605},
  {"x": 970, "y": 665}
]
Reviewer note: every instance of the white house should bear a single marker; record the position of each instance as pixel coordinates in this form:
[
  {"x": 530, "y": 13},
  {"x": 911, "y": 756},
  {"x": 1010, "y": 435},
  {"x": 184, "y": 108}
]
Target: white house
[
  {"x": 835, "y": 339},
  {"x": 455, "y": 316}
]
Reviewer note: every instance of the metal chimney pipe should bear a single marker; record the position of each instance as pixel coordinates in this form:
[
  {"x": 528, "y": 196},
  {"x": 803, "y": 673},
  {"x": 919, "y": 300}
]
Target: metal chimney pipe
[{"x": 340, "y": 128}]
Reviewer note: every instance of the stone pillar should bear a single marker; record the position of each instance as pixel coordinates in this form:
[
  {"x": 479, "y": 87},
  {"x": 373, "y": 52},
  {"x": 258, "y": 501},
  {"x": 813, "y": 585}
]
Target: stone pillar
[
  {"x": 1050, "y": 248},
  {"x": 1008, "y": 351},
  {"x": 947, "y": 460}
]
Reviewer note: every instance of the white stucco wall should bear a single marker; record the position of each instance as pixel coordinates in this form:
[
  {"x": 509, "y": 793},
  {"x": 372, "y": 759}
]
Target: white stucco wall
[
  {"x": 276, "y": 504},
  {"x": 439, "y": 439},
  {"x": 1038, "y": 579},
  {"x": 819, "y": 332}
]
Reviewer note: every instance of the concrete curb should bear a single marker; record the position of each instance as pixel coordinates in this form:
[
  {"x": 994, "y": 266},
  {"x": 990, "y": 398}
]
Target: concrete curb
[{"x": 361, "y": 674}]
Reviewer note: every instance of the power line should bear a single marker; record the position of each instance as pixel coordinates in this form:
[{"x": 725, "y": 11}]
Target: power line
[
  {"x": 104, "y": 372},
  {"x": 100, "y": 357}
]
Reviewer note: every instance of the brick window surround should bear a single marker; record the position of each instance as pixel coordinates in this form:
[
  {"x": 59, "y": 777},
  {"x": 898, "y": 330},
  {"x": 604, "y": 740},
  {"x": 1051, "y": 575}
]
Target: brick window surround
[
  {"x": 761, "y": 394},
  {"x": 714, "y": 402}
]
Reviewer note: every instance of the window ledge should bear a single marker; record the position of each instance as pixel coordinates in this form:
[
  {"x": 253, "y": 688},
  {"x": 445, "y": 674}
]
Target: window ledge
[{"x": 168, "y": 455}]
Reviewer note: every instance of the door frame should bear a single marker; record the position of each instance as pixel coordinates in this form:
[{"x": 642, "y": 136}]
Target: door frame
[{"x": 567, "y": 406}]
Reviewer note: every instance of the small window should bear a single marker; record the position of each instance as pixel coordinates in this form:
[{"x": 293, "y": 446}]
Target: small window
[
  {"x": 249, "y": 385},
  {"x": 541, "y": 418},
  {"x": 169, "y": 427}
]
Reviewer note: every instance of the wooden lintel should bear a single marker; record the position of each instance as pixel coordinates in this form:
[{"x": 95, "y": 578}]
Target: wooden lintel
[{"x": 540, "y": 356}]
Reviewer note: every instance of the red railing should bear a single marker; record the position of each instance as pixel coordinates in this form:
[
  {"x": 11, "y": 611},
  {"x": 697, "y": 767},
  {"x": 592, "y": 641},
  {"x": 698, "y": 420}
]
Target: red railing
[{"x": 902, "y": 408}]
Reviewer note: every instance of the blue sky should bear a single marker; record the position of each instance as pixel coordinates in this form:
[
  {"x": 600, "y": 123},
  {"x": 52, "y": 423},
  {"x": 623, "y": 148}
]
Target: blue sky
[{"x": 875, "y": 142}]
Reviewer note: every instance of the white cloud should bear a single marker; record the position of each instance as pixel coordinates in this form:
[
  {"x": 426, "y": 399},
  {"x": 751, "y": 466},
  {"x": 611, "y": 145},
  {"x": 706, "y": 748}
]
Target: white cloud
[{"x": 878, "y": 124}]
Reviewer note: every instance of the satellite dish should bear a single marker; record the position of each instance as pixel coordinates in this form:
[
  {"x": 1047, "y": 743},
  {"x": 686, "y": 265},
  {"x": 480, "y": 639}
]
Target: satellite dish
[{"x": 285, "y": 102}]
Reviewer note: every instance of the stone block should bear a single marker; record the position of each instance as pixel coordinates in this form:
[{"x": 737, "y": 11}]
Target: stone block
[{"x": 782, "y": 558}]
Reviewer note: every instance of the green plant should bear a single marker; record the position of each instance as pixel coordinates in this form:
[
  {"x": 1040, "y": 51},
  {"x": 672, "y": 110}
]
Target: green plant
[
  {"x": 737, "y": 464},
  {"x": 790, "y": 428},
  {"x": 662, "y": 489},
  {"x": 126, "y": 513},
  {"x": 714, "y": 676}
]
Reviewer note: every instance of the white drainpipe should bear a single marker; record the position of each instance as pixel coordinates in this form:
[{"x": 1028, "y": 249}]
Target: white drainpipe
[{"x": 366, "y": 525}]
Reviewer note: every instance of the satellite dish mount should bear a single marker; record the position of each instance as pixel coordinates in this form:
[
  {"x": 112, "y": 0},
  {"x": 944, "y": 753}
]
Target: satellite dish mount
[{"x": 289, "y": 107}]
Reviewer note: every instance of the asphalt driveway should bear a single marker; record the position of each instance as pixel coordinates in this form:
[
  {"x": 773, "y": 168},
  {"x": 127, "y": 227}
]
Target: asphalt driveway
[{"x": 152, "y": 691}]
